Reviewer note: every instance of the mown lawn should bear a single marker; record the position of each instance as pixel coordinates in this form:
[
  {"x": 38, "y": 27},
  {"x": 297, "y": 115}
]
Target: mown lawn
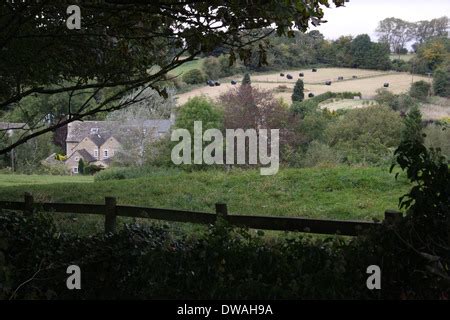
[
  {"x": 341, "y": 193},
  {"x": 8, "y": 180},
  {"x": 195, "y": 64}
]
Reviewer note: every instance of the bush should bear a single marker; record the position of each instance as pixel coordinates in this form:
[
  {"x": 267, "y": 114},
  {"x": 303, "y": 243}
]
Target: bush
[
  {"x": 194, "y": 76},
  {"x": 303, "y": 108},
  {"x": 441, "y": 82},
  {"x": 199, "y": 109},
  {"x": 148, "y": 262},
  {"x": 212, "y": 68},
  {"x": 122, "y": 173},
  {"x": 420, "y": 90},
  {"x": 366, "y": 135},
  {"x": 400, "y": 65},
  {"x": 92, "y": 169},
  {"x": 438, "y": 136},
  {"x": 397, "y": 102}
]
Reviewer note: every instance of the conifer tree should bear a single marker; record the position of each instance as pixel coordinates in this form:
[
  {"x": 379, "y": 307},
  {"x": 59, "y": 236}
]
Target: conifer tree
[{"x": 298, "y": 94}]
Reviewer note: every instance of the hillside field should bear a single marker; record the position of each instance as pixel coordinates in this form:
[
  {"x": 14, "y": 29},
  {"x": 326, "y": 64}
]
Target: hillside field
[{"x": 367, "y": 82}]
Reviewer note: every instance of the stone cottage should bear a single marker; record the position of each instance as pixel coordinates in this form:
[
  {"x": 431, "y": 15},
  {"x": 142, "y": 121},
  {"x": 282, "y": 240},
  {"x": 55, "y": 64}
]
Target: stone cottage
[{"x": 96, "y": 142}]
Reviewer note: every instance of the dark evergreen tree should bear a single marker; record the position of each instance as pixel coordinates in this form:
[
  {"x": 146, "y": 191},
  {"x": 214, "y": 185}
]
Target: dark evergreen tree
[
  {"x": 81, "y": 166},
  {"x": 413, "y": 126},
  {"x": 298, "y": 94},
  {"x": 246, "y": 80}
]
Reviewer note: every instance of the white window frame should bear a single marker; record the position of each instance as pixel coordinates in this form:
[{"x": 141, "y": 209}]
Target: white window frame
[
  {"x": 96, "y": 154},
  {"x": 105, "y": 154},
  {"x": 75, "y": 169},
  {"x": 94, "y": 130}
]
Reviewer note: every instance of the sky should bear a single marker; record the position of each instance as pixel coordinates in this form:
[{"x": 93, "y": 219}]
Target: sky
[{"x": 362, "y": 16}]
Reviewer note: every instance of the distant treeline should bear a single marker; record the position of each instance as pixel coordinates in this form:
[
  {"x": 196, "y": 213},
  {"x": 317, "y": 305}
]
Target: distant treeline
[{"x": 310, "y": 49}]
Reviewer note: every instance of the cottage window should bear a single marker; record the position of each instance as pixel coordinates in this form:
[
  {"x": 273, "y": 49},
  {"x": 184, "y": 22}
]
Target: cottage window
[
  {"x": 105, "y": 153},
  {"x": 75, "y": 169},
  {"x": 96, "y": 153},
  {"x": 77, "y": 158}
]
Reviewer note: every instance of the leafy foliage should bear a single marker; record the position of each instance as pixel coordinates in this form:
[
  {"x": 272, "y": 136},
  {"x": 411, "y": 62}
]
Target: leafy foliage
[
  {"x": 193, "y": 76},
  {"x": 121, "y": 47},
  {"x": 441, "y": 81},
  {"x": 420, "y": 90},
  {"x": 366, "y": 135}
]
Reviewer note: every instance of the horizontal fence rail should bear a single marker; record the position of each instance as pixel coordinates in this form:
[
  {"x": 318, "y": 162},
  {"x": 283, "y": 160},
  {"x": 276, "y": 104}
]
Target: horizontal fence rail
[{"x": 110, "y": 210}]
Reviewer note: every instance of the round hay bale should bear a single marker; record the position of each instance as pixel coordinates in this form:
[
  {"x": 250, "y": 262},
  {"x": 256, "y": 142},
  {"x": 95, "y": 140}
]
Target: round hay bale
[
  {"x": 354, "y": 77},
  {"x": 310, "y": 95},
  {"x": 301, "y": 74},
  {"x": 386, "y": 84},
  {"x": 233, "y": 82},
  {"x": 328, "y": 83},
  {"x": 340, "y": 78},
  {"x": 217, "y": 83},
  {"x": 281, "y": 74},
  {"x": 289, "y": 76},
  {"x": 314, "y": 70}
]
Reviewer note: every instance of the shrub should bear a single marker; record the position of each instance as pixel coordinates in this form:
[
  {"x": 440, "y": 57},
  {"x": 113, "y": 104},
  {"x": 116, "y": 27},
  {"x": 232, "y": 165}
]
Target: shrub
[
  {"x": 441, "y": 82},
  {"x": 438, "y": 136},
  {"x": 366, "y": 135},
  {"x": 194, "y": 76},
  {"x": 420, "y": 90},
  {"x": 122, "y": 173},
  {"x": 92, "y": 169},
  {"x": 302, "y": 108},
  {"x": 148, "y": 262},
  {"x": 199, "y": 109},
  {"x": 400, "y": 65},
  {"x": 212, "y": 67},
  {"x": 397, "y": 102}
]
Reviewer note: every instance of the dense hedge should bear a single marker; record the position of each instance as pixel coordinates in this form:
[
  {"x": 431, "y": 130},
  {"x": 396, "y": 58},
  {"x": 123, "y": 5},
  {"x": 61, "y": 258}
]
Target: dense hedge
[{"x": 148, "y": 262}]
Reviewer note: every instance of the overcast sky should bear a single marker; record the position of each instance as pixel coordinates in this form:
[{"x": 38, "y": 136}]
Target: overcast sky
[{"x": 362, "y": 16}]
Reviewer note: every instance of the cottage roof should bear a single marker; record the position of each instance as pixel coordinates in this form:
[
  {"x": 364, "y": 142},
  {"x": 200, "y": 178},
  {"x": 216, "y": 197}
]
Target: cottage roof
[
  {"x": 84, "y": 154},
  {"x": 100, "y": 131}
]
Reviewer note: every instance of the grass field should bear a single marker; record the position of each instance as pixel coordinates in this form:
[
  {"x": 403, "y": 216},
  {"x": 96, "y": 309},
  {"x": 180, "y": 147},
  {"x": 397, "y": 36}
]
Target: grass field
[
  {"x": 195, "y": 64},
  {"x": 342, "y": 193},
  {"x": 17, "y": 180},
  {"x": 338, "y": 104},
  {"x": 367, "y": 83}
]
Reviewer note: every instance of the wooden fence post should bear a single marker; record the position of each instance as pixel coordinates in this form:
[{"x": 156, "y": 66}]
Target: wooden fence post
[
  {"x": 110, "y": 214},
  {"x": 221, "y": 210},
  {"x": 392, "y": 216},
  {"x": 28, "y": 206}
]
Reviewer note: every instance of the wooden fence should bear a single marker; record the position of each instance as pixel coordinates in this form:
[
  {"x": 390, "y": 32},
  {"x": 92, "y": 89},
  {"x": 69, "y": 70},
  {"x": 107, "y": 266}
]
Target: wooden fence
[{"x": 111, "y": 211}]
